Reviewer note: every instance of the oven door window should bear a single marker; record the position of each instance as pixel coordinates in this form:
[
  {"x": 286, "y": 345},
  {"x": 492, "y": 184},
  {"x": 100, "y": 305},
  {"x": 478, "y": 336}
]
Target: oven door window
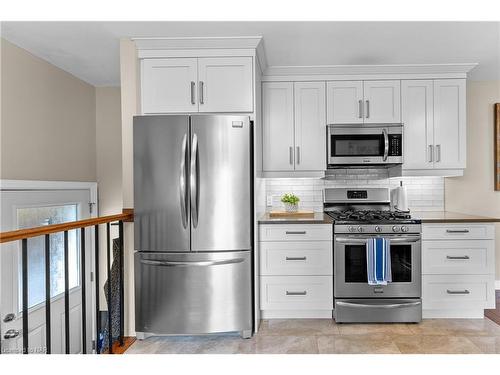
[
  {"x": 357, "y": 145},
  {"x": 356, "y": 269}
]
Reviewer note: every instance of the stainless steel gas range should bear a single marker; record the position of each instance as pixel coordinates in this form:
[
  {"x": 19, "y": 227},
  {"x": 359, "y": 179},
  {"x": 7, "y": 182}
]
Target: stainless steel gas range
[{"x": 359, "y": 215}]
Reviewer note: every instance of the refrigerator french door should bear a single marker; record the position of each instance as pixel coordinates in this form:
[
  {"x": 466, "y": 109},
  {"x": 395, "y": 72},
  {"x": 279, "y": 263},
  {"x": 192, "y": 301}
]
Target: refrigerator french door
[{"x": 193, "y": 224}]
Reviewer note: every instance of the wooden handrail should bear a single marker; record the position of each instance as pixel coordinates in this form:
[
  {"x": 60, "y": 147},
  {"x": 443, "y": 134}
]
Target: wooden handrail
[{"x": 127, "y": 216}]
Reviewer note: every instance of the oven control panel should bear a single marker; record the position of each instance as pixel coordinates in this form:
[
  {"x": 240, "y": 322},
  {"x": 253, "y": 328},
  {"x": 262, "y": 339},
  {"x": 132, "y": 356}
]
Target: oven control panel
[{"x": 379, "y": 229}]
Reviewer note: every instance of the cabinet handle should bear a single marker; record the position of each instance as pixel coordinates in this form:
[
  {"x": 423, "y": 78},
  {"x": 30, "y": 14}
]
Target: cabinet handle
[
  {"x": 295, "y": 258},
  {"x": 464, "y": 257},
  {"x": 303, "y": 293},
  {"x": 431, "y": 153},
  {"x": 367, "y": 109},
  {"x": 193, "y": 84},
  {"x": 457, "y": 231},
  {"x": 296, "y": 232},
  {"x": 202, "y": 99},
  {"x": 290, "y": 151},
  {"x": 360, "y": 108},
  {"x": 438, "y": 153},
  {"x": 298, "y": 155},
  {"x": 465, "y": 291}
]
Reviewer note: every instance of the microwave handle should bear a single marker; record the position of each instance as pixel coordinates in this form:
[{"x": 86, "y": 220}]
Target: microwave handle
[{"x": 386, "y": 144}]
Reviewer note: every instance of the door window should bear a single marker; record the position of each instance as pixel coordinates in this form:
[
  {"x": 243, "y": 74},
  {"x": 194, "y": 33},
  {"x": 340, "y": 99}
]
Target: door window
[
  {"x": 357, "y": 145},
  {"x": 39, "y": 216}
]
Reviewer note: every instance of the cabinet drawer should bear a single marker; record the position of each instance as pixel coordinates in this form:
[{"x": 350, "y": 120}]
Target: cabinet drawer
[
  {"x": 296, "y": 232},
  {"x": 296, "y": 258},
  {"x": 458, "y": 292},
  {"x": 472, "y": 257},
  {"x": 466, "y": 231},
  {"x": 296, "y": 292}
]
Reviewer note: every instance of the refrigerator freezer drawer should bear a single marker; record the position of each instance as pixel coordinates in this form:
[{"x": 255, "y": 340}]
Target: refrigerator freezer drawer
[{"x": 194, "y": 293}]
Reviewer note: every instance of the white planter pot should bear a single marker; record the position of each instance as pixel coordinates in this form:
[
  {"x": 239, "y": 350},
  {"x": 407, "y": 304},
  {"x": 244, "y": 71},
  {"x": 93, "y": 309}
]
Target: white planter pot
[{"x": 291, "y": 207}]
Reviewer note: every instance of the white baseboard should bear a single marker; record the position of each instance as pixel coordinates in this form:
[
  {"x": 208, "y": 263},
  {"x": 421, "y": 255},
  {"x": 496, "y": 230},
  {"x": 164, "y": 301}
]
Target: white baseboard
[
  {"x": 497, "y": 284},
  {"x": 296, "y": 314}
]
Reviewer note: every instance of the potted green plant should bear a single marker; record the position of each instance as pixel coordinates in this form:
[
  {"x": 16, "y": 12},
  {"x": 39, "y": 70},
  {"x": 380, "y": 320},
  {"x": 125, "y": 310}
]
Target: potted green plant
[{"x": 291, "y": 202}]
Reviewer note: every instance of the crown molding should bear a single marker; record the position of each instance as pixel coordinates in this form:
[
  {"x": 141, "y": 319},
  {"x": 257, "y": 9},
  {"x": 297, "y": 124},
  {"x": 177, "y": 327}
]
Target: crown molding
[
  {"x": 333, "y": 71},
  {"x": 238, "y": 42}
]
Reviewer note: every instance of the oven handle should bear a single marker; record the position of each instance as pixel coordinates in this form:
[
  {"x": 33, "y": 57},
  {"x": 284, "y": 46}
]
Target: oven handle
[
  {"x": 388, "y": 306},
  {"x": 359, "y": 240}
]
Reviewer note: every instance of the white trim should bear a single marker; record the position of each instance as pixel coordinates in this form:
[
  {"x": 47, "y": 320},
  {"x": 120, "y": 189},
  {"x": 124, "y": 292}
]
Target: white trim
[
  {"x": 197, "y": 42},
  {"x": 360, "y": 71},
  {"x": 296, "y": 314},
  {"x": 497, "y": 284},
  {"x": 185, "y": 53}
]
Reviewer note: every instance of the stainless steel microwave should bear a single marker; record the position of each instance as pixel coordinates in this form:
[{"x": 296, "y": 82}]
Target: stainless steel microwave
[{"x": 364, "y": 144}]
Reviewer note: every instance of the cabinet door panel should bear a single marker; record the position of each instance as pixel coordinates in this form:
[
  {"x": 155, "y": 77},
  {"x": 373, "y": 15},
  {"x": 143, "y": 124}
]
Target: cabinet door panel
[
  {"x": 310, "y": 126},
  {"x": 449, "y": 123},
  {"x": 343, "y": 102},
  {"x": 277, "y": 112},
  {"x": 417, "y": 115},
  {"x": 166, "y": 85},
  {"x": 382, "y": 101},
  {"x": 225, "y": 84}
]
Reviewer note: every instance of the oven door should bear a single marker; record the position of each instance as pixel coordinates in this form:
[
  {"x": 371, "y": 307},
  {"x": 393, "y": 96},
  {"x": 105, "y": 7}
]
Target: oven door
[
  {"x": 351, "y": 279},
  {"x": 356, "y": 145}
]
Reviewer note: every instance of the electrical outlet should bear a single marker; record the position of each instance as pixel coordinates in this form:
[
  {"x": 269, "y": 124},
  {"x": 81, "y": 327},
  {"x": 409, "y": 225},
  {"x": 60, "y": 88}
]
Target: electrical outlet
[{"x": 269, "y": 201}]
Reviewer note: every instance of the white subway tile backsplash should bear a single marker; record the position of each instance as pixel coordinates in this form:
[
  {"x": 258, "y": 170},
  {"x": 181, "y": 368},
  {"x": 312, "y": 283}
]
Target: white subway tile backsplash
[{"x": 424, "y": 193}]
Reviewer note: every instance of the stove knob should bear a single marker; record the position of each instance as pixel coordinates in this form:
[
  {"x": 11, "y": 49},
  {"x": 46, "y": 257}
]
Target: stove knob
[
  {"x": 360, "y": 229},
  {"x": 351, "y": 229},
  {"x": 378, "y": 229},
  {"x": 395, "y": 229},
  {"x": 404, "y": 229}
]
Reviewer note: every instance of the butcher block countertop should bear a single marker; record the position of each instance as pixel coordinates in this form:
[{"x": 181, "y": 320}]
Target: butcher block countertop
[
  {"x": 318, "y": 218},
  {"x": 450, "y": 217}
]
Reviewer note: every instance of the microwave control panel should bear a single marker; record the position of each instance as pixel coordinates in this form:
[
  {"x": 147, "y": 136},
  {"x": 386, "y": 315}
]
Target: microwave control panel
[{"x": 395, "y": 144}]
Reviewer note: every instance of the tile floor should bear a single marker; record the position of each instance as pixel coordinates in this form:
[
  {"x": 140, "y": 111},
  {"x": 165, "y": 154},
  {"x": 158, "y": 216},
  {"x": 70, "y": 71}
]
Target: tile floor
[{"x": 307, "y": 336}]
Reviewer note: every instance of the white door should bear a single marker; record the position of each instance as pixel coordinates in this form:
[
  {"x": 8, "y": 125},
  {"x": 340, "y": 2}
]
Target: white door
[
  {"x": 344, "y": 102},
  {"x": 25, "y": 209},
  {"x": 169, "y": 85},
  {"x": 449, "y": 123},
  {"x": 382, "y": 101},
  {"x": 418, "y": 123},
  {"x": 225, "y": 84},
  {"x": 277, "y": 123},
  {"x": 310, "y": 126}
]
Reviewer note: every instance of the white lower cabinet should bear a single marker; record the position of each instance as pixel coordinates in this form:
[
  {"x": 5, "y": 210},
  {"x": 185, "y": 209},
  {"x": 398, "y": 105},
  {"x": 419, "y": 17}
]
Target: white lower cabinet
[
  {"x": 458, "y": 266},
  {"x": 296, "y": 270}
]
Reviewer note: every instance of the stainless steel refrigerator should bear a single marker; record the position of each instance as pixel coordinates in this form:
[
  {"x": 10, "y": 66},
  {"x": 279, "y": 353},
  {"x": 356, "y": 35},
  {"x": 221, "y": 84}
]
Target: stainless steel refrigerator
[{"x": 193, "y": 224}]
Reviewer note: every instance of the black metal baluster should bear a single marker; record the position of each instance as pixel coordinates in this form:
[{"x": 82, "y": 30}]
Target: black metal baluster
[
  {"x": 66, "y": 292},
  {"x": 122, "y": 305},
  {"x": 98, "y": 318},
  {"x": 25, "y": 293},
  {"x": 84, "y": 304},
  {"x": 108, "y": 265},
  {"x": 47, "y": 294}
]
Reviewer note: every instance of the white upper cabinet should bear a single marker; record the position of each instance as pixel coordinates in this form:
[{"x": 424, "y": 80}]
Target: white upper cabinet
[
  {"x": 433, "y": 113},
  {"x": 225, "y": 84},
  {"x": 418, "y": 131},
  {"x": 277, "y": 123},
  {"x": 211, "y": 84},
  {"x": 449, "y": 123},
  {"x": 382, "y": 101},
  {"x": 310, "y": 126},
  {"x": 369, "y": 102},
  {"x": 345, "y": 102},
  {"x": 169, "y": 85},
  {"x": 294, "y": 123}
]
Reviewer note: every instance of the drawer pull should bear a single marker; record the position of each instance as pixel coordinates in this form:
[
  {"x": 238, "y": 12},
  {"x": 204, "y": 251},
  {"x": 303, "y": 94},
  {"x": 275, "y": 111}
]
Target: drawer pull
[
  {"x": 296, "y": 232},
  {"x": 457, "y": 291},
  {"x": 457, "y": 231},
  {"x": 303, "y": 293},
  {"x": 465, "y": 257},
  {"x": 296, "y": 258}
]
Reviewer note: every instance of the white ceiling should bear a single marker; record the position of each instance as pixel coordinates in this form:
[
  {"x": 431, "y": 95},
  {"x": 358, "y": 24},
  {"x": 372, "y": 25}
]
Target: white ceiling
[{"x": 90, "y": 50}]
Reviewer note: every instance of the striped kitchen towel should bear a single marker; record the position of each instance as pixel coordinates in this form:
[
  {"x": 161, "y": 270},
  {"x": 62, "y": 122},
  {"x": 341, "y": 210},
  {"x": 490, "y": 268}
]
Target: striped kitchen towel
[{"x": 378, "y": 259}]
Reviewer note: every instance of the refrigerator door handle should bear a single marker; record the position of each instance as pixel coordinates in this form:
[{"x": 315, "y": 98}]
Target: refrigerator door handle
[
  {"x": 203, "y": 263},
  {"x": 194, "y": 181},
  {"x": 182, "y": 183}
]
